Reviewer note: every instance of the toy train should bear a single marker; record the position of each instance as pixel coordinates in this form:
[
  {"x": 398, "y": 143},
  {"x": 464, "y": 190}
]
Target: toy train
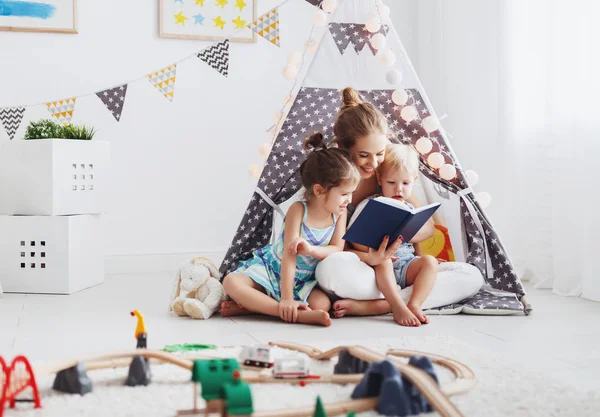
[
  {"x": 259, "y": 356},
  {"x": 293, "y": 367}
]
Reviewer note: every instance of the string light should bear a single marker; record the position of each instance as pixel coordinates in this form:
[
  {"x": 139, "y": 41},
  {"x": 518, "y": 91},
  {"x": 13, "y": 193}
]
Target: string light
[
  {"x": 409, "y": 113},
  {"x": 435, "y": 160},
  {"x": 400, "y": 97},
  {"x": 448, "y": 172}
]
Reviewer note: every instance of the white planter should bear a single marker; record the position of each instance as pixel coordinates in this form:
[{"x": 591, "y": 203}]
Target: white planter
[
  {"x": 53, "y": 176},
  {"x": 51, "y": 254}
]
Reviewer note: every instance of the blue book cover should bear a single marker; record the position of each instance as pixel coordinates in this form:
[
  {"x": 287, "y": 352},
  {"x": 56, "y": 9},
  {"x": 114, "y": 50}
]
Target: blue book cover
[{"x": 385, "y": 216}]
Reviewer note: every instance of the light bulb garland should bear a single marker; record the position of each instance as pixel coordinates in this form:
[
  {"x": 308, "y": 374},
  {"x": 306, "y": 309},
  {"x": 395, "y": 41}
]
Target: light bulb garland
[{"x": 295, "y": 61}]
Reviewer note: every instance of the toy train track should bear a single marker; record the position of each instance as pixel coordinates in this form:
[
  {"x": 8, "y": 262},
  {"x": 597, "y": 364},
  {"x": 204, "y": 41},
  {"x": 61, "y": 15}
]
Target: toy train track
[{"x": 436, "y": 395}]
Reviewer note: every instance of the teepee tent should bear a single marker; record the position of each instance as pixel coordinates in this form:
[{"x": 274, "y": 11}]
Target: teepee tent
[{"x": 346, "y": 57}]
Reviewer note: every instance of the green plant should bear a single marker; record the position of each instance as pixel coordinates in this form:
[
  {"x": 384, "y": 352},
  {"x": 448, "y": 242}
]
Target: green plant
[
  {"x": 43, "y": 129},
  {"x": 49, "y": 129},
  {"x": 78, "y": 132}
]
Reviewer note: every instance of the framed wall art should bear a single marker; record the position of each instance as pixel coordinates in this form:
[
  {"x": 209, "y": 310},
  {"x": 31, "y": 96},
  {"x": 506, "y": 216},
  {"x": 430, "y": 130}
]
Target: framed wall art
[
  {"x": 54, "y": 16},
  {"x": 207, "y": 19}
]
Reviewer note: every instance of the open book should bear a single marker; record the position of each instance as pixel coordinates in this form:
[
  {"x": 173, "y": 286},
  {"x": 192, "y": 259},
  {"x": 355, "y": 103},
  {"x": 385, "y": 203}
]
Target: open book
[{"x": 383, "y": 216}]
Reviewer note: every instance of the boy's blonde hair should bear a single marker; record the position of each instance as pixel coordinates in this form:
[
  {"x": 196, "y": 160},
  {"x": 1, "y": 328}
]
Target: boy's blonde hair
[{"x": 400, "y": 156}]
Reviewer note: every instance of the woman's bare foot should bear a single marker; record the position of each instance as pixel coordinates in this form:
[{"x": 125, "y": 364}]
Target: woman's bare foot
[
  {"x": 318, "y": 317},
  {"x": 231, "y": 308},
  {"x": 404, "y": 317},
  {"x": 418, "y": 312},
  {"x": 350, "y": 307}
]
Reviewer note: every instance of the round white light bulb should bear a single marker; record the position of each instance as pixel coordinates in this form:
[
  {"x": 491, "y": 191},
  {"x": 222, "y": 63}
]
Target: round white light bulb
[
  {"x": 393, "y": 76},
  {"x": 431, "y": 124},
  {"x": 319, "y": 18},
  {"x": 264, "y": 150},
  {"x": 424, "y": 145},
  {"x": 373, "y": 25},
  {"x": 435, "y": 160},
  {"x": 448, "y": 172},
  {"x": 484, "y": 199},
  {"x": 378, "y": 41},
  {"x": 311, "y": 46},
  {"x": 255, "y": 170},
  {"x": 290, "y": 72},
  {"x": 400, "y": 97},
  {"x": 409, "y": 113},
  {"x": 472, "y": 177},
  {"x": 388, "y": 58},
  {"x": 295, "y": 59},
  {"x": 329, "y": 6}
]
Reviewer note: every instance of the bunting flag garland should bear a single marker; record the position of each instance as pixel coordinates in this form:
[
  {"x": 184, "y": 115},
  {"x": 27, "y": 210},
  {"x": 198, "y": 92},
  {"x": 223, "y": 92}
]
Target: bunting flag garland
[
  {"x": 114, "y": 100},
  {"x": 62, "y": 110},
  {"x": 267, "y": 26},
  {"x": 11, "y": 119},
  {"x": 164, "y": 81},
  {"x": 217, "y": 56},
  {"x": 345, "y": 33}
]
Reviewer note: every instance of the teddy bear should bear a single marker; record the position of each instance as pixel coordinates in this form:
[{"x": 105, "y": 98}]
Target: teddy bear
[{"x": 197, "y": 292}]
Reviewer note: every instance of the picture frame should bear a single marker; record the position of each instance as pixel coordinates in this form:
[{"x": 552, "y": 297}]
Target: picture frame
[
  {"x": 197, "y": 19},
  {"x": 48, "y": 16}
]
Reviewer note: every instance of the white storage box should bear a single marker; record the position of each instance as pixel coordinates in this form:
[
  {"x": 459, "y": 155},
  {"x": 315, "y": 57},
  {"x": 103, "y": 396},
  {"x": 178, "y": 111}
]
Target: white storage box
[
  {"x": 53, "y": 176},
  {"x": 51, "y": 254}
]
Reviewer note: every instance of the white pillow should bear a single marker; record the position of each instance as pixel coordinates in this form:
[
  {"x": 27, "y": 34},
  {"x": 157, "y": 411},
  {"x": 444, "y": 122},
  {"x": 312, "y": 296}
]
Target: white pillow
[{"x": 344, "y": 275}]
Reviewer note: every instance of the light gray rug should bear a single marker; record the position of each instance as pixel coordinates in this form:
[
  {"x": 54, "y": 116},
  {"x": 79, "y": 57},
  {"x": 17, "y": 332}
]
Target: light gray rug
[{"x": 504, "y": 388}]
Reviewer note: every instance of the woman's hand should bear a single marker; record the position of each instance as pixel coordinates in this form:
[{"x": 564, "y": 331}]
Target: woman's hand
[
  {"x": 382, "y": 254},
  {"x": 288, "y": 310},
  {"x": 300, "y": 246}
]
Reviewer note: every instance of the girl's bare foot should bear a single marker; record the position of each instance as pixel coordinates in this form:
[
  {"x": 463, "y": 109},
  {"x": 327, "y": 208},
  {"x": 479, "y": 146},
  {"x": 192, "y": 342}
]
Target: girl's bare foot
[
  {"x": 416, "y": 309},
  {"x": 405, "y": 317},
  {"x": 350, "y": 307},
  {"x": 318, "y": 317},
  {"x": 231, "y": 308}
]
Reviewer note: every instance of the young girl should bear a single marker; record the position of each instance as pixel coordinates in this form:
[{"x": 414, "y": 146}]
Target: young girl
[
  {"x": 396, "y": 176},
  {"x": 279, "y": 279}
]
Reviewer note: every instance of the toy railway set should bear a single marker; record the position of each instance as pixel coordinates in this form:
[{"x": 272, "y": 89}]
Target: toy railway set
[{"x": 384, "y": 382}]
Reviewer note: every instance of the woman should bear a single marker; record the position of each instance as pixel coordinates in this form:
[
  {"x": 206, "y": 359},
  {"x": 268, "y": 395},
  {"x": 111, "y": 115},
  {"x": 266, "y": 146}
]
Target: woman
[{"x": 363, "y": 131}]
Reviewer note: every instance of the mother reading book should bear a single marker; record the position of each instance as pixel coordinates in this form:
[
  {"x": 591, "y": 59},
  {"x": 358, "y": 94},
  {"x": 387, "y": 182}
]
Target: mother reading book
[{"x": 363, "y": 131}]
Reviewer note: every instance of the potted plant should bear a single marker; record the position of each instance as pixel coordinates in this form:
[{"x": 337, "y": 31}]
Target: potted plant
[{"x": 49, "y": 129}]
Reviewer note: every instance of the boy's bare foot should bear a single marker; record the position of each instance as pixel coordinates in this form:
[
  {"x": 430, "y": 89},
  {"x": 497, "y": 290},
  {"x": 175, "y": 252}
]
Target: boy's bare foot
[
  {"x": 350, "y": 307},
  {"x": 405, "y": 317},
  {"x": 231, "y": 308},
  {"x": 418, "y": 312},
  {"x": 318, "y": 317}
]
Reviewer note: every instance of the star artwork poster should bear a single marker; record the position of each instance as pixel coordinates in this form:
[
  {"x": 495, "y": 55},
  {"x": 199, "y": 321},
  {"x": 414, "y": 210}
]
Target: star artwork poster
[{"x": 208, "y": 19}]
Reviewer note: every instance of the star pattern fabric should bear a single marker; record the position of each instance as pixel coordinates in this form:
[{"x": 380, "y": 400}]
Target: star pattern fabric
[
  {"x": 114, "y": 99},
  {"x": 314, "y": 110},
  {"x": 11, "y": 119},
  {"x": 356, "y": 34}
]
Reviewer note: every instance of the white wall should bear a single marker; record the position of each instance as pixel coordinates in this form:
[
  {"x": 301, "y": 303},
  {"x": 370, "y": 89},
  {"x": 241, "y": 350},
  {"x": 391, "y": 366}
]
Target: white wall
[{"x": 179, "y": 170}]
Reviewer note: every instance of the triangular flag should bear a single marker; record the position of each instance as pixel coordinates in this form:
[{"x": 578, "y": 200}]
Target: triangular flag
[
  {"x": 269, "y": 29},
  {"x": 157, "y": 80},
  {"x": 217, "y": 56},
  {"x": 11, "y": 119},
  {"x": 62, "y": 110},
  {"x": 114, "y": 99}
]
